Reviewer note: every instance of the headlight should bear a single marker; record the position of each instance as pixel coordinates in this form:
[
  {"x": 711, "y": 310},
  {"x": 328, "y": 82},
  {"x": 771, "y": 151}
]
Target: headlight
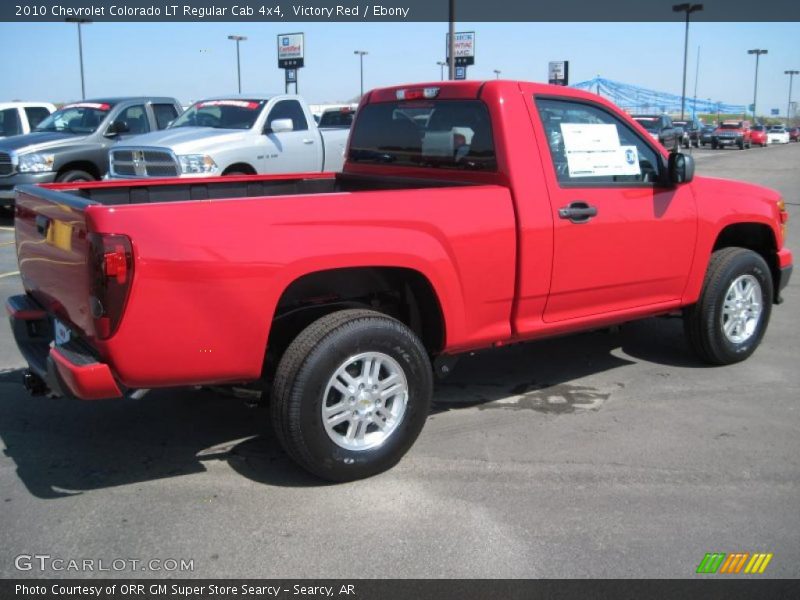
[
  {"x": 197, "y": 163},
  {"x": 35, "y": 163}
]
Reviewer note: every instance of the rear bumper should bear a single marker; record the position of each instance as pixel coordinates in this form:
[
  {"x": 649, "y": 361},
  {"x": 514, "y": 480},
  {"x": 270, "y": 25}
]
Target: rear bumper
[{"x": 70, "y": 370}]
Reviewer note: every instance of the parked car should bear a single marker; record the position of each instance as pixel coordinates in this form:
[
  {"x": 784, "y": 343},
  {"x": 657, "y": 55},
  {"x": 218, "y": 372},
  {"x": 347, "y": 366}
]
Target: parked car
[
  {"x": 72, "y": 143},
  {"x": 683, "y": 135},
  {"x": 337, "y": 118},
  {"x": 691, "y": 130},
  {"x": 340, "y": 295},
  {"x": 706, "y": 134},
  {"x": 732, "y": 133},
  {"x": 19, "y": 118},
  {"x": 758, "y": 135},
  {"x": 234, "y": 136},
  {"x": 794, "y": 134},
  {"x": 661, "y": 129},
  {"x": 778, "y": 134}
]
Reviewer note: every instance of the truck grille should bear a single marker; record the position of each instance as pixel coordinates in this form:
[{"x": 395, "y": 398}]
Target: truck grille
[
  {"x": 135, "y": 162},
  {"x": 6, "y": 166}
]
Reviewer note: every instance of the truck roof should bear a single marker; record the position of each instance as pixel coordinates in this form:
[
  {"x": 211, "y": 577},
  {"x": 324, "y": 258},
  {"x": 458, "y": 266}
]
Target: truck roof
[{"x": 118, "y": 99}]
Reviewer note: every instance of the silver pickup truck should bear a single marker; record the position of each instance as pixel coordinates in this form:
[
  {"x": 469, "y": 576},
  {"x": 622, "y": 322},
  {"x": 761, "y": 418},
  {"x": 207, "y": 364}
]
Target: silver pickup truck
[{"x": 234, "y": 135}]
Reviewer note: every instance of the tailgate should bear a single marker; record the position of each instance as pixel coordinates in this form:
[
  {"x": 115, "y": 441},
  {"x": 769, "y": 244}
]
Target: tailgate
[{"x": 52, "y": 248}]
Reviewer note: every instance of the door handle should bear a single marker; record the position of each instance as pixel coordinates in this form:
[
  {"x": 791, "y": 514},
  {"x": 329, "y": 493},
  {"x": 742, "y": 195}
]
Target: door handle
[
  {"x": 42, "y": 225},
  {"x": 308, "y": 141},
  {"x": 578, "y": 212}
]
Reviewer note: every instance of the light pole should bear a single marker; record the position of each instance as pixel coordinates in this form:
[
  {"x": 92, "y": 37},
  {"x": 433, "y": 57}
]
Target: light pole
[
  {"x": 361, "y": 54},
  {"x": 791, "y": 75},
  {"x": 688, "y": 9},
  {"x": 79, "y": 21},
  {"x": 451, "y": 40},
  {"x": 497, "y": 73},
  {"x": 696, "y": 76},
  {"x": 442, "y": 64},
  {"x": 758, "y": 52},
  {"x": 237, "y": 39}
]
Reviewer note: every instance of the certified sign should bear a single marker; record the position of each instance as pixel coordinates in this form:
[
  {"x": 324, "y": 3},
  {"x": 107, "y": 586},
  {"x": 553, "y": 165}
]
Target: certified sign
[
  {"x": 558, "y": 72},
  {"x": 464, "y": 48},
  {"x": 290, "y": 50}
]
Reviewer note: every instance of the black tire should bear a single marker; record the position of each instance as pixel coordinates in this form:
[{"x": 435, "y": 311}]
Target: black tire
[
  {"x": 703, "y": 321},
  {"x": 234, "y": 173},
  {"x": 302, "y": 377},
  {"x": 75, "y": 175},
  {"x": 740, "y": 145},
  {"x": 714, "y": 145}
]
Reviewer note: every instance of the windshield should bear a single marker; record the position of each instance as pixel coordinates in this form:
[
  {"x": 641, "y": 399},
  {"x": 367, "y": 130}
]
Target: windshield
[
  {"x": 221, "y": 114},
  {"x": 777, "y": 129},
  {"x": 81, "y": 117},
  {"x": 649, "y": 123},
  {"x": 758, "y": 128},
  {"x": 453, "y": 134},
  {"x": 730, "y": 126}
]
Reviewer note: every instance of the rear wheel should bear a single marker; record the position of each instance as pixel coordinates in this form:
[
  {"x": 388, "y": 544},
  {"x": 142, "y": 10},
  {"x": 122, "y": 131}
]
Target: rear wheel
[
  {"x": 351, "y": 394},
  {"x": 74, "y": 175},
  {"x": 730, "y": 318},
  {"x": 714, "y": 145}
]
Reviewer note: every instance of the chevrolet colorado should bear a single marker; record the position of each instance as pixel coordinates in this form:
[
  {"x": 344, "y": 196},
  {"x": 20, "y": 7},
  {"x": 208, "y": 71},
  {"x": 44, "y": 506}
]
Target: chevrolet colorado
[{"x": 468, "y": 215}]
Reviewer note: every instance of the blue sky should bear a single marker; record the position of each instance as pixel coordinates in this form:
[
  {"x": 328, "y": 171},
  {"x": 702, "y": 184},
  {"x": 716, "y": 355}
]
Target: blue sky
[{"x": 194, "y": 60}]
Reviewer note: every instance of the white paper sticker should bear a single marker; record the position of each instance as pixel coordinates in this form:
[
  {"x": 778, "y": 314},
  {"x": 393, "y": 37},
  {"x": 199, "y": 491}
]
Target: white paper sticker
[{"x": 593, "y": 150}]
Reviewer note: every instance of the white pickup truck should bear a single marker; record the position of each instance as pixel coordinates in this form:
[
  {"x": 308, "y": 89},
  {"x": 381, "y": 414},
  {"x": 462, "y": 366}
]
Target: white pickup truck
[{"x": 233, "y": 135}]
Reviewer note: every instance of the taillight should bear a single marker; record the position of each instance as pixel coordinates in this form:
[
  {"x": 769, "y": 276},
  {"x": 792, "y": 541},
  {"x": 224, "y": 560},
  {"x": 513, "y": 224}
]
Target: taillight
[{"x": 110, "y": 273}]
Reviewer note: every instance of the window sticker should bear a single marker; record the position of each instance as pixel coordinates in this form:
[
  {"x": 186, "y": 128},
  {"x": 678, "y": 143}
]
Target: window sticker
[
  {"x": 593, "y": 150},
  {"x": 95, "y": 105},
  {"x": 248, "y": 104}
]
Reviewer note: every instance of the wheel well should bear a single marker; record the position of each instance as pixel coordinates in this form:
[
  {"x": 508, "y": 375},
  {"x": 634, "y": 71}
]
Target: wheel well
[
  {"x": 243, "y": 167},
  {"x": 756, "y": 237},
  {"x": 80, "y": 165},
  {"x": 404, "y": 294}
]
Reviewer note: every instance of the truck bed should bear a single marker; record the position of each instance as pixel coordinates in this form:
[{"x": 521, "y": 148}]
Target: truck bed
[{"x": 142, "y": 191}]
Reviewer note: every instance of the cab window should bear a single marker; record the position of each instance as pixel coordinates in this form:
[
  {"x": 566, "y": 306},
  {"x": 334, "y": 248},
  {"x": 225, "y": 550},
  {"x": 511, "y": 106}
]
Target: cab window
[
  {"x": 9, "y": 122},
  {"x": 289, "y": 109},
  {"x": 589, "y": 146},
  {"x": 164, "y": 113},
  {"x": 136, "y": 119}
]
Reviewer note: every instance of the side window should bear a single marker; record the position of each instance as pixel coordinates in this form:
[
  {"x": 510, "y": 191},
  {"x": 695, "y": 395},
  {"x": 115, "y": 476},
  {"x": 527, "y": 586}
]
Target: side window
[
  {"x": 36, "y": 114},
  {"x": 9, "y": 122},
  {"x": 136, "y": 119},
  {"x": 164, "y": 113},
  {"x": 589, "y": 145},
  {"x": 289, "y": 109}
]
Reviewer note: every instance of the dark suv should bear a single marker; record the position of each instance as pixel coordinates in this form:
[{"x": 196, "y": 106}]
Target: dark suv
[
  {"x": 661, "y": 129},
  {"x": 691, "y": 130},
  {"x": 72, "y": 143},
  {"x": 732, "y": 133}
]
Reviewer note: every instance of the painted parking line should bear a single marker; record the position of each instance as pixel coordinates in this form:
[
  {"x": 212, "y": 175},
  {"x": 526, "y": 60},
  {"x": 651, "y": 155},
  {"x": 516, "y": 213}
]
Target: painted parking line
[
  {"x": 6, "y": 244},
  {"x": 4, "y": 228},
  {"x": 11, "y": 274}
]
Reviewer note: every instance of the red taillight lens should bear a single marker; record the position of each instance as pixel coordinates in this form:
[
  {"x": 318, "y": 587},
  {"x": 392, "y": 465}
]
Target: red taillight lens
[{"x": 111, "y": 273}]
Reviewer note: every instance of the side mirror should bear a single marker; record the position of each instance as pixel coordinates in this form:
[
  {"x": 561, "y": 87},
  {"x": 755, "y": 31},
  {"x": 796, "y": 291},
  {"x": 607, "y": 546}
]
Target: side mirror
[
  {"x": 680, "y": 168},
  {"x": 280, "y": 125},
  {"x": 116, "y": 128}
]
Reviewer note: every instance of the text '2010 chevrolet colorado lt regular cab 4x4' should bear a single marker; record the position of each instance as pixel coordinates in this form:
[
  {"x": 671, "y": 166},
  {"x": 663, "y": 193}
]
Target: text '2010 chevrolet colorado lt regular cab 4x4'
[
  {"x": 468, "y": 215},
  {"x": 234, "y": 136}
]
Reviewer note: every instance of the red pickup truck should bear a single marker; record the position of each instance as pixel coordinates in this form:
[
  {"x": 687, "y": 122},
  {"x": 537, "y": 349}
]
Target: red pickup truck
[{"x": 468, "y": 215}]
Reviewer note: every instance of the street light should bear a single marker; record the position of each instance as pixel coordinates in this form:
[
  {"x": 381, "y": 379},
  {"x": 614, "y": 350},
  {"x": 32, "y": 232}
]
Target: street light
[
  {"x": 79, "y": 21},
  {"x": 497, "y": 73},
  {"x": 237, "y": 39},
  {"x": 791, "y": 75},
  {"x": 442, "y": 64},
  {"x": 688, "y": 9},
  {"x": 758, "y": 52},
  {"x": 361, "y": 54}
]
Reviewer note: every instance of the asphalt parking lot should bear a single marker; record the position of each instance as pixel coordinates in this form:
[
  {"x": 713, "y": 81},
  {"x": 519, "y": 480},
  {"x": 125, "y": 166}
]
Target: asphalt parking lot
[{"x": 608, "y": 454}]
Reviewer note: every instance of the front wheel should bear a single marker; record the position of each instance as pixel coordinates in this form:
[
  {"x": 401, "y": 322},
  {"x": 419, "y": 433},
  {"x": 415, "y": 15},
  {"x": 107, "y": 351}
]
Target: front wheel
[
  {"x": 74, "y": 176},
  {"x": 351, "y": 394},
  {"x": 730, "y": 318}
]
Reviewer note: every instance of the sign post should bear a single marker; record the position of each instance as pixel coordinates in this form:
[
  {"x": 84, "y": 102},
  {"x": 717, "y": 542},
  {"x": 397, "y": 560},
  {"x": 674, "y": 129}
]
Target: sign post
[
  {"x": 291, "y": 49},
  {"x": 558, "y": 72}
]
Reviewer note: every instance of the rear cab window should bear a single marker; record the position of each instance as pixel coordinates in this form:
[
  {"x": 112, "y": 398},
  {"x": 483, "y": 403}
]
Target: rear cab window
[
  {"x": 447, "y": 134},
  {"x": 289, "y": 109},
  {"x": 9, "y": 122},
  {"x": 164, "y": 114},
  {"x": 36, "y": 114}
]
